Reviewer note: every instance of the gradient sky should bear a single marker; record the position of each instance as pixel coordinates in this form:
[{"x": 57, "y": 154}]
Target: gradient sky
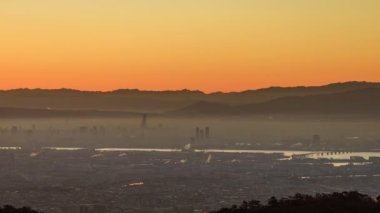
[{"x": 210, "y": 45}]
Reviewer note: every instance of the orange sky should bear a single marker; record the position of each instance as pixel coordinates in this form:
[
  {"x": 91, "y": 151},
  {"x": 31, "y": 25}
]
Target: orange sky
[{"x": 224, "y": 45}]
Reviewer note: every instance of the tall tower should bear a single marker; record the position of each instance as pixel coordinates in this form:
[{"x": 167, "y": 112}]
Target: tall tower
[
  {"x": 197, "y": 133},
  {"x": 202, "y": 134},
  {"x": 144, "y": 121},
  {"x": 207, "y": 132}
]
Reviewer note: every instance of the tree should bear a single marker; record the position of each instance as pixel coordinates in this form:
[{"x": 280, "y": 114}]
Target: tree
[
  {"x": 11, "y": 209},
  {"x": 345, "y": 202}
]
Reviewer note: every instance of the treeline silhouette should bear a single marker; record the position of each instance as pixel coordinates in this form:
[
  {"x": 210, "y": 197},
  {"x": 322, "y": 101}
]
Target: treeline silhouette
[
  {"x": 11, "y": 209},
  {"x": 345, "y": 202}
]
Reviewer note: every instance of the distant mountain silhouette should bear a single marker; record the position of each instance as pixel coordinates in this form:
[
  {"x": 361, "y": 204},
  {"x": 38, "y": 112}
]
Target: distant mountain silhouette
[
  {"x": 46, "y": 113},
  {"x": 267, "y": 94},
  {"x": 362, "y": 101},
  {"x": 119, "y": 100},
  {"x": 181, "y": 101}
]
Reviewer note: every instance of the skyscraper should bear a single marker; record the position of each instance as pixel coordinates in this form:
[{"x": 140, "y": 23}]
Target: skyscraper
[
  {"x": 202, "y": 134},
  {"x": 197, "y": 133},
  {"x": 207, "y": 132},
  {"x": 144, "y": 121}
]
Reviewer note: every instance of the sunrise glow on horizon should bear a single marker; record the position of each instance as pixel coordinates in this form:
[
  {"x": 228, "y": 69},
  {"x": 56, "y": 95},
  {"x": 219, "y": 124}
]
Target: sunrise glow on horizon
[{"x": 208, "y": 45}]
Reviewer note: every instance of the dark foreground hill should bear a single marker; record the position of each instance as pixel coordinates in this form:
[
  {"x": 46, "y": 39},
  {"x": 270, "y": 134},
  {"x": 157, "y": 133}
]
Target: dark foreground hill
[
  {"x": 346, "y": 202},
  {"x": 11, "y": 209},
  {"x": 158, "y": 101}
]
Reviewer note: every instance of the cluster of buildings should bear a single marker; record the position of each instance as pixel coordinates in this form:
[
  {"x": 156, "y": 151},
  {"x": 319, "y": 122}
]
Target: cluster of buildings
[
  {"x": 64, "y": 181},
  {"x": 201, "y": 134}
]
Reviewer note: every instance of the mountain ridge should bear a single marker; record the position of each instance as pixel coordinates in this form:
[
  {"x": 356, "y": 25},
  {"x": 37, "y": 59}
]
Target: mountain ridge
[
  {"x": 361, "y": 101},
  {"x": 132, "y": 100},
  {"x": 133, "y": 90}
]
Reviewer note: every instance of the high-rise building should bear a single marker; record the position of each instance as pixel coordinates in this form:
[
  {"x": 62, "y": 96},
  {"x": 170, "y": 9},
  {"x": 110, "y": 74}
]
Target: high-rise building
[
  {"x": 144, "y": 121},
  {"x": 207, "y": 132},
  {"x": 197, "y": 133}
]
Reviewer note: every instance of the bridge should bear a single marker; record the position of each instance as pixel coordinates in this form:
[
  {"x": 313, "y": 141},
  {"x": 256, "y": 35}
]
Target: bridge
[{"x": 319, "y": 154}]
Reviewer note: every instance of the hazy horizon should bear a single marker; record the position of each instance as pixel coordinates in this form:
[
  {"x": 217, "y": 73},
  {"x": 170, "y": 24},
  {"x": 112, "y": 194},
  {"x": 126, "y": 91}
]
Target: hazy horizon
[{"x": 195, "y": 90}]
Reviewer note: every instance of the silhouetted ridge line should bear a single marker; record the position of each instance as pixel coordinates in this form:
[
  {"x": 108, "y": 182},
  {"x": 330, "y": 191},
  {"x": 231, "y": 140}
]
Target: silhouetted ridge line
[
  {"x": 46, "y": 113},
  {"x": 133, "y": 100},
  {"x": 345, "y": 202},
  {"x": 339, "y": 85},
  {"x": 357, "y": 101},
  {"x": 11, "y": 209}
]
